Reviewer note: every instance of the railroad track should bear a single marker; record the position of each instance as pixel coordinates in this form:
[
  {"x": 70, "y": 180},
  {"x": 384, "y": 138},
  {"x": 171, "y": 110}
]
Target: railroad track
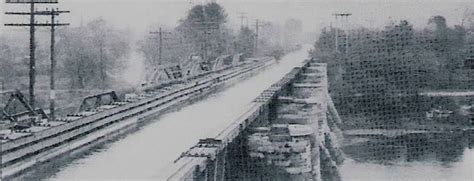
[{"x": 21, "y": 150}]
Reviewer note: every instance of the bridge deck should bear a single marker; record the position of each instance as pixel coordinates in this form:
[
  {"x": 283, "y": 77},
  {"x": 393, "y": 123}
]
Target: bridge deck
[
  {"x": 143, "y": 154},
  {"x": 182, "y": 169}
]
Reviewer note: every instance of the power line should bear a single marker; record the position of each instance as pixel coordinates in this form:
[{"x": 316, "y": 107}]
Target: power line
[
  {"x": 242, "y": 17},
  {"x": 32, "y": 25},
  {"x": 53, "y": 14},
  {"x": 160, "y": 46},
  {"x": 257, "y": 25},
  {"x": 208, "y": 27},
  {"x": 346, "y": 16}
]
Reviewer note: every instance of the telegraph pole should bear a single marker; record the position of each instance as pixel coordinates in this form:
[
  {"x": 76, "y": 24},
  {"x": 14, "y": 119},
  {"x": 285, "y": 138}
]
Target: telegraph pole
[
  {"x": 337, "y": 35},
  {"x": 256, "y": 35},
  {"x": 257, "y": 25},
  {"x": 344, "y": 19},
  {"x": 32, "y": 25},
  {"x": 2, "y": 83},
  {"x": 206, "y": 27},
  {"x": 160, "y": 50},
  {"x": 160, "y": 34},
  {"x": 242, "y": 17},
  {"x": 347, "y": 32},
  {"x": 52, "y": 96}
]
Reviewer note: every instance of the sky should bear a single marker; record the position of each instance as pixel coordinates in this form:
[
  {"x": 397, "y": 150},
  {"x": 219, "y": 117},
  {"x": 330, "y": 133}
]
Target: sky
[{"x": 140, "y": 16}]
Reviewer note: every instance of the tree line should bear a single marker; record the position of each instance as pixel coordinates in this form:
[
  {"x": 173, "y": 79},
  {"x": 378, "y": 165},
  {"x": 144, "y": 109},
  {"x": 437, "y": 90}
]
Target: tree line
[
  {"x": 93, "y": 55},
  {"x": 377, "y": 82}
]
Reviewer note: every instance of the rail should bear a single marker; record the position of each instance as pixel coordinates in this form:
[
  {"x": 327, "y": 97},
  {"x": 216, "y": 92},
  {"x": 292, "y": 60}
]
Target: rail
[{"x": 77, "y": 125}]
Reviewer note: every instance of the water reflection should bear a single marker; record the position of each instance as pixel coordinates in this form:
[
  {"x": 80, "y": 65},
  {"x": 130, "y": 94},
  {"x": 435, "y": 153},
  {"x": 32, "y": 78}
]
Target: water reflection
[{"x": 417, "y": 156}]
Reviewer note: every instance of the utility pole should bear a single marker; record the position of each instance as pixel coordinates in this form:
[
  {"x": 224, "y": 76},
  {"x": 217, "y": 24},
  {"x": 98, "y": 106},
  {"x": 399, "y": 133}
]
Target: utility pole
[
  {"x": 206, "y": 33},
  {"x": 52, "y": 95},
  {"x": 337, "y": 35},
  {"x": 206, "y": 27},
  {"x": 257, "y": 25},
  {"x": 347, "y": 32},
  {"x": 242, "y": 17},
  {"x": 32, "y": 25},
  {"x": 53, "y": 13},
  {"x": 344, "y": 20},
  {"x": 160, "y": 49},
  {"x": 2, "y": 83},
  {"x": 160, "y": 34},
  {"x": 256, "y": 35}
]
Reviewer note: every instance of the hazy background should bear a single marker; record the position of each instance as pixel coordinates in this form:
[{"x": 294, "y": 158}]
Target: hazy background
[{"x": 139, "y": 15}]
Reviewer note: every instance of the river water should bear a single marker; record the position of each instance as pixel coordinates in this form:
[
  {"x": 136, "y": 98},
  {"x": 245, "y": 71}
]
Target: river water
[{"x": 449, "y": 157}]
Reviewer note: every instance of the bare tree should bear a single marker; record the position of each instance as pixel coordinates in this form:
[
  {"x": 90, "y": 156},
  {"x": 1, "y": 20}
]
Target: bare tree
[{"x": 92, "y": 54}]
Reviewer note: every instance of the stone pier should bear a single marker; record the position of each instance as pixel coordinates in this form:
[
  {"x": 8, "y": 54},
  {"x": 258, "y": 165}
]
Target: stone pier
[
  {"x": 288, "y": 133},
  {"x": 300, "y": 139}
]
